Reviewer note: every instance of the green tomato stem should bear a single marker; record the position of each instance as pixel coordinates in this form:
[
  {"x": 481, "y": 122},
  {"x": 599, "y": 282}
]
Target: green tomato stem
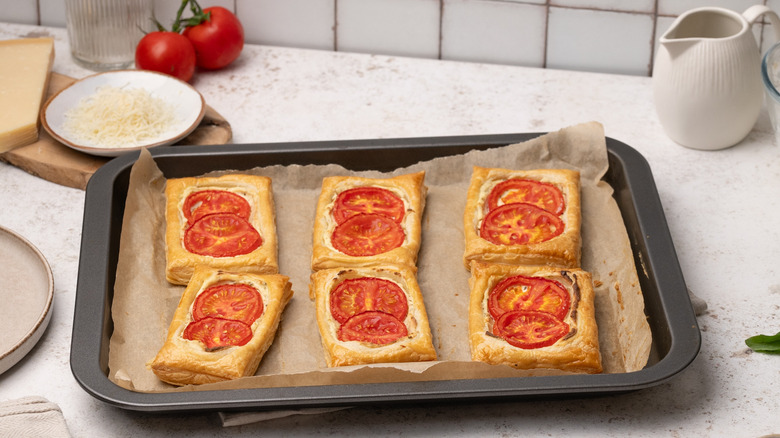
[{"x": 197, "y": 18}]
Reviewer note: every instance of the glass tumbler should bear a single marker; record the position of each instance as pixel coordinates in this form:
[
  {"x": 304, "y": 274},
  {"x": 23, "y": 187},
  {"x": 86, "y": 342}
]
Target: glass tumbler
[
  {"x": 103, "y": 33},
  {"x": 770, "y": 73}
]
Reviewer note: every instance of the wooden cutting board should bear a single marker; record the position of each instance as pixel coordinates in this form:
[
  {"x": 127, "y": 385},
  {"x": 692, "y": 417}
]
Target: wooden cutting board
[{"x": 55, "y": 162}]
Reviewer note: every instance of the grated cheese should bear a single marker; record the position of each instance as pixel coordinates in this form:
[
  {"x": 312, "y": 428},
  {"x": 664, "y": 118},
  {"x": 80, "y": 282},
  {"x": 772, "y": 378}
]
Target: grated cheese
[{"x": 115, "y": 117}]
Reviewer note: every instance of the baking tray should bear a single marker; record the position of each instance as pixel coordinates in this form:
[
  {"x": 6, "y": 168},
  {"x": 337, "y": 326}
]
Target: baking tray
[{"x": 676, "y": 336}]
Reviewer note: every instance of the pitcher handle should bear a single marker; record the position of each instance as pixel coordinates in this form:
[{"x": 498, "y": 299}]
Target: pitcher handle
[{"x": 754, "y": 12}]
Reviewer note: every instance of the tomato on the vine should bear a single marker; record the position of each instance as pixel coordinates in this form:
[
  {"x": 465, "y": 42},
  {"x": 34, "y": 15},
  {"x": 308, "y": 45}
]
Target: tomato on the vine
[
  {"x": 218, "y": 39},
  {"x": 166, "y": 52}
]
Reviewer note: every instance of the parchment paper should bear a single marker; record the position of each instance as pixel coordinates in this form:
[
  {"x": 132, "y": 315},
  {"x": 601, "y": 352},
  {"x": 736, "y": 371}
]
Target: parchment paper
[{"x": 144, "y": 301}]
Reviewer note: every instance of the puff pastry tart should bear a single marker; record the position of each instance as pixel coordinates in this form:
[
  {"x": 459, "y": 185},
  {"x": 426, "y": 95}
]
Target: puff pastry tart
[
  {"x": 224, "y": 222},
  {"x": 366, "y": 221},
  {"x": 533, "y": 318},
  {"x": 529, "y": 217},
  {"x": 222, "y": 327},
  {"x": 371, "y": 315}
]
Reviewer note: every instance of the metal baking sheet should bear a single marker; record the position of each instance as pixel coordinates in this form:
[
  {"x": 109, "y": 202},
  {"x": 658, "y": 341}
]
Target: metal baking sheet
[{"x": 676, "y": 336}]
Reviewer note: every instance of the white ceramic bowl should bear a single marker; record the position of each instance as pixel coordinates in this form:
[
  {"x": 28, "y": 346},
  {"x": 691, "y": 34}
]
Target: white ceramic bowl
[
  {"x": 27, "y": 293},
  {"x": 188, "y": 106}
]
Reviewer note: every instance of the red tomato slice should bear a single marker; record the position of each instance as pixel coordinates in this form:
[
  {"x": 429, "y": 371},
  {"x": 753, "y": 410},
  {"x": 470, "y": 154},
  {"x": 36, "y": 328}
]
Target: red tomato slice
[
  {"x": 543, "y": 195},
  {"x": 368, "y": 200},
  {"x": 520, "y": 224},
  {"x": 205, "y": 202},
  {"x": 367, "y": 235},
  {"x": 236, "y": 301},
  {"x": 221, "y": 235},
  {"x": 372, "y": 327},
  {"x": 529, "y": 329},
  {"x": 529, "y": 293},
  {"x": 216, "y": 333},
  {"x": 358, "y": 295}
]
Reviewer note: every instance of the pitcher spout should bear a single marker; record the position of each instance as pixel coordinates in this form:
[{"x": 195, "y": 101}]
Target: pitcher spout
[
  {"x": 676, "y": 47},
  {"x": 700, "y": 24}
]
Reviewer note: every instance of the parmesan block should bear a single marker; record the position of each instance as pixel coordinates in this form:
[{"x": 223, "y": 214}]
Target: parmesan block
[{"x": 25, "y": 65}]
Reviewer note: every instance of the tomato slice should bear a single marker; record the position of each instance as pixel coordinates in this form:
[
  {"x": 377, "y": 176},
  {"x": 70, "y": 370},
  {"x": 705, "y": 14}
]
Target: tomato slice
[
  {"x": 372, "y": 327},
  {"x": 529, "y": 329},
  {"x": 205, "y": 202},
  {"x": 221, "y": 235},
  {"x": 357, "y": 295},
  {"x": 543, "y": 195},
  {"x": 217, "y": 333},
  {"x": 529, "y": 293},
  {"x": 520, "y": 224},
  {"x": 236, "y": 301},
  {"x": 367, "y": 235},
  {"x": 368, "y": 200}
]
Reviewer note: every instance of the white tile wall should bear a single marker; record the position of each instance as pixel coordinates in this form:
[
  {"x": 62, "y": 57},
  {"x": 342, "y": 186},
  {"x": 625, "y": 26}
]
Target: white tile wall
[
  {"x": 602, "y": 41},
  {"x": 617, "y": 36},
  {"x": 294, "y": 23},
  {"x": 493, "y": 32},
  {"x": 677, "y": 7},
  {"x": 16, "y": 11},
  {"x": 52, "y": 12},
  {"x": 393, "y": 27},
  {"x": 646, "y": 6}
]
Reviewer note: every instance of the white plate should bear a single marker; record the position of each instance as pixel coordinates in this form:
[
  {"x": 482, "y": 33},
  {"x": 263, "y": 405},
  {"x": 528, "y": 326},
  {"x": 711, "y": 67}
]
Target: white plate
[
  {"x": 188, "y": 104},
  {"x": 26, "y": 294}
]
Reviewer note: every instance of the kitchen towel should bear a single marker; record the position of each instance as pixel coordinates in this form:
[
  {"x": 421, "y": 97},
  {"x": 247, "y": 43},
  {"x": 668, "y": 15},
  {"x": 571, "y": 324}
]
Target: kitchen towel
[
  {"x": 699, "y": 305},
  {"x": 32, "y": 417}
]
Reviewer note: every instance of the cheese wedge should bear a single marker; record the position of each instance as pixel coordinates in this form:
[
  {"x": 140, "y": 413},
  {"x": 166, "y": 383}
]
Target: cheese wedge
[{"x": 25, "y": 67}]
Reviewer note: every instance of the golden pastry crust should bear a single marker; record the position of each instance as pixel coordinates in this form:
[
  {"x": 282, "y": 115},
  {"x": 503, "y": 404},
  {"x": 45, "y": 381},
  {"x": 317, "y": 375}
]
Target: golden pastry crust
[
  {"x": 180, "y": 263},
  {"x": 409, "y": 188},
  {"x": 417, "y": 346},
  {"x": 186, "y": 362},
  {"x": 577, "y": 352},
  {"x": 563, "y": 250}
]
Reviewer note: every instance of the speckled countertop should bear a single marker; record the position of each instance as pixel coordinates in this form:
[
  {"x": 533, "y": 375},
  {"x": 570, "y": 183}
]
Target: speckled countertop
[{"x": 722, "y": 208}]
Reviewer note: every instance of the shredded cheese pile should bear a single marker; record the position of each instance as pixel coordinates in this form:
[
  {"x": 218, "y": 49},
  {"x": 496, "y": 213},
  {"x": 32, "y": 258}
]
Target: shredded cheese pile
[{"x": 116, "y": 117}]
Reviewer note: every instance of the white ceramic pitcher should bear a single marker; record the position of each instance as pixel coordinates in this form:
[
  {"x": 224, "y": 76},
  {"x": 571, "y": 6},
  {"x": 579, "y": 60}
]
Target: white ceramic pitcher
[{"x": 707, "y": 76}]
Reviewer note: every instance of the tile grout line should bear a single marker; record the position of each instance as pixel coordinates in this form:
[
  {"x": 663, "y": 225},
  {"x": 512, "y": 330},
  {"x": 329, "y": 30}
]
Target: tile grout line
[
  {"x": 546, "y": 33},
  {"x": 441, "y": 26},
  {"x": 652, "y": 39}
]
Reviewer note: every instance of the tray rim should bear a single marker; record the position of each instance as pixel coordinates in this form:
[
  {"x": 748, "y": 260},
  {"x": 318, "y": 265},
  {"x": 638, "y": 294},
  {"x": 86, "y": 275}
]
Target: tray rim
[{"x": 91, "y": 302}]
